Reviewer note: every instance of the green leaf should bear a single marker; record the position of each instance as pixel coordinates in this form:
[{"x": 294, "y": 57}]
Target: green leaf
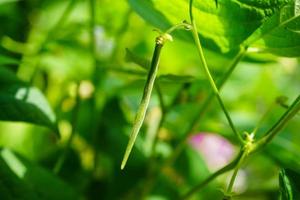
[
  {"x": 21, "y": 102},
  {"x": 223, "y": 28},
  {"x": 193, "y": 168},
  {"x": 280, "y": 33},
  {"x": 140, "y": 61},
  {"x": 145, "y": 64},
  {"x": 289, "y": 184},
  {"x": 284, "y": 152},
  {"x": 20, "y": 179},
  {"x": 175, "y": 78},
  {"x": 285, "y": 186},
  {"x": 6, "y": 60}
]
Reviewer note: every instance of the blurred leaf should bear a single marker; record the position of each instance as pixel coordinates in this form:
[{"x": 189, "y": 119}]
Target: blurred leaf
[
  {"x": 145, "y": 64},
  {"x": 21, "y": 102},
  {"x": 214, "y": 24},
  {"x": 175, "y": 78},
  {"x": 277, "y": 35},
  {"x": 191, "y": 166},
  {"x": 6, "y": 60},
  {"x": 11, "y": 187},
  {"x": 289, "y": 184},
  {"x": 284, "y": 152},
  {"x": 112, "y": 138},
  {"x": 113, "y": 131},
  {"x": 140, "y": 61},
  {"x": 178, "y": 117},
  {"x": 24, "y": 180},
  {"x": 7, "y": 1}
]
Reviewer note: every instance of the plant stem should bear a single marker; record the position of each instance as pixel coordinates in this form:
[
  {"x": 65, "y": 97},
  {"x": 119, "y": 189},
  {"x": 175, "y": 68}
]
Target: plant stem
[
  {"x": 209, "y": 76},
  {"x": 140, "y": 116},
  {"x": 62, "y": 158},
  {"x": 263, "y": 118},
  {"x": 220, "y": 84},
  {"x": 204, "y": 107},
  {"x": 199, "y": 113},
  {"x": 279, "y": 125},
  {"x": 236, "y": 169},
  {"x": 210, "y": 178}
]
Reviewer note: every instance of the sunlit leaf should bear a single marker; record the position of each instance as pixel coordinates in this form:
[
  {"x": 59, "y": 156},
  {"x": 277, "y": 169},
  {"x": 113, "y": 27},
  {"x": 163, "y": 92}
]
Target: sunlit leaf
[
  {"x": 21, "y": 179},
  {"x": 21, "y": 102},
  {"x": 223, "y": 28},
  {"x": 280, "y": 33},
  {"x": 284, "y": 152}
]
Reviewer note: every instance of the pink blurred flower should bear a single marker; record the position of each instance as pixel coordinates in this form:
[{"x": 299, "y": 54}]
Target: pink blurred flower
[{"x": 214, "y": 149}]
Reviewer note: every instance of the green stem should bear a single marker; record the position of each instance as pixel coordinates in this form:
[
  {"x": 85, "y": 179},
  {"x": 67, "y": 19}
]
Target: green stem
[
  {"x": 237, "y": 167},
  {"x": 209, "y": 76},
  {"x": 263, "y": 118},
  {"x": 200, "y": 112},
  {"x": 183, "y": 25},
  {"x": 291, "y": 112},
  {"x": 210, "y": 178},
  {"x": 179, "y": 148},
  {"x": 279, "y": 125},
  {"x": 220, "y": 84},
  {"x": 62, "y": 158},
  {"x": 140, "y": 116}
]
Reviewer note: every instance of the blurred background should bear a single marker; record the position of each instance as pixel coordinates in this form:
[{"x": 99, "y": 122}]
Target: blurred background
[{"x": 85, "y": 56}]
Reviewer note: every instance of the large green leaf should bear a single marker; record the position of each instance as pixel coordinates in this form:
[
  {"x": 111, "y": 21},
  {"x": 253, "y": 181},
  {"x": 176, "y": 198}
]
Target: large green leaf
[
  {"x": 21, "y": 102},
  {"x": 279, "y": 34},
  {"x": 224, "y": 28},
  {"x": 289, "y": 184},
  {"x": 20, "y": 179}
]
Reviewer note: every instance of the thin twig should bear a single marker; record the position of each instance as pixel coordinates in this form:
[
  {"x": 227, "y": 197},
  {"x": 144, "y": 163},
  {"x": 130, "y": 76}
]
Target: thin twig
[
  {"x": 210, "y": 178},
  {"x": 209, "y": 76},
  {"x": 203, "y": 108}
]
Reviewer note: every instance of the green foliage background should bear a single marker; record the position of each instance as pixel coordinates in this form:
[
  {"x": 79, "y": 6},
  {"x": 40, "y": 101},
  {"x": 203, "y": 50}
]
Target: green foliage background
[{"x": 65, "y": 71}]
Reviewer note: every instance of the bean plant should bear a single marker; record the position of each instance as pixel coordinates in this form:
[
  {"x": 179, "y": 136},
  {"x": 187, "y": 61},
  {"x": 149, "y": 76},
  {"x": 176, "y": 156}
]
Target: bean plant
[{"x": 145, "y": 99}]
